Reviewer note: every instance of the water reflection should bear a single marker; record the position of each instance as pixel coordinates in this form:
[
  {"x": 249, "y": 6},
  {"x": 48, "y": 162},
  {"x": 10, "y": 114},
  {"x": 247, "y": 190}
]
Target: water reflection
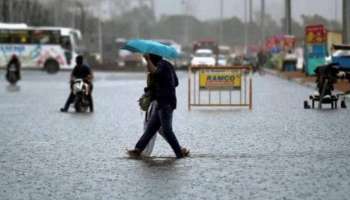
[{"x": 13, "y": 88}]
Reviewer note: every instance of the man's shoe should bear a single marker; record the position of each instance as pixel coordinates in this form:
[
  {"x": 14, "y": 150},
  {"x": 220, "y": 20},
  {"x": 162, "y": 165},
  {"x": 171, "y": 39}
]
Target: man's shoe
[
  {"x": 64, "y": 110},
  {"x": 134, "y": 153},
  {"x": 185, "y": 152}
]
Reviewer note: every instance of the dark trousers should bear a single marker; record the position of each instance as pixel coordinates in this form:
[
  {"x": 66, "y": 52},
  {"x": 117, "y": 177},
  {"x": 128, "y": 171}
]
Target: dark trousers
[
  {"x": 162, "y": 117},
  {"x": 71, "y": 97}
]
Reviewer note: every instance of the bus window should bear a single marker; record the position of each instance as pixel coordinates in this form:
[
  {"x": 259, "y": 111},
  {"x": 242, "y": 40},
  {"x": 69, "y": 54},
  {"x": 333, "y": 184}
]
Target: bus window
[
  {"x": 45, "y": 37},
  {"x": 19, "y": 36},
  {"x": 4, "y": 36},
  {"x": 14, "y": 36}
]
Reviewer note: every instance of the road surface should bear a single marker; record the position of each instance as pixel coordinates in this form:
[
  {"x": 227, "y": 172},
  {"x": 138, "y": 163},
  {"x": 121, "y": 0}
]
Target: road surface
[{"x": 276, "y": 151}]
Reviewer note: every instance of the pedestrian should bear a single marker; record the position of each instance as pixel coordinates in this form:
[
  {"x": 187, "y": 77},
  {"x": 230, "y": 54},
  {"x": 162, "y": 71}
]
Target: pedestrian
[
  {"x": 80, "y": 71},
  {"x": 164, "y": 94},
  {"x": 148, "y": 104},
  {"x": 14, "y": 61}
]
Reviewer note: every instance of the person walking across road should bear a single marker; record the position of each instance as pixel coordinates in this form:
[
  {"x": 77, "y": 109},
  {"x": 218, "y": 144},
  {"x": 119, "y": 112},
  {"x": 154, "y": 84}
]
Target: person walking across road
[{"x": 166, "y": 81}]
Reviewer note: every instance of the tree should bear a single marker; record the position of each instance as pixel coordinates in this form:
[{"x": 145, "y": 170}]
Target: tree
[{"x": 317, "y": 19}]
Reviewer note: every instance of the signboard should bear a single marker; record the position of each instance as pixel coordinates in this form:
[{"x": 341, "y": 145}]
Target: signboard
[
  {"x": 316, "y": 47},
  {"x": 219, "y": 80},
  {"x": 289, "y": 42},
  {"x": 315, "y": 34},
  {"x": 278, "y": 43}
]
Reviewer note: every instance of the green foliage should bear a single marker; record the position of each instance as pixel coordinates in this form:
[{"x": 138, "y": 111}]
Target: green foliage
[{"x": 317, "y": 19}]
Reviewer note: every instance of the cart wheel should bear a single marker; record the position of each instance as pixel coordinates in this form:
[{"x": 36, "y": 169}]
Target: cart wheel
[
  {"x": 342, "y": 104},
  {"x": 306, "y": 105}
]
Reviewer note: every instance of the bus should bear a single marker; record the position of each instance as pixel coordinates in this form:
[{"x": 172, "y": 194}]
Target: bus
[{"x": 47, "y": 48}]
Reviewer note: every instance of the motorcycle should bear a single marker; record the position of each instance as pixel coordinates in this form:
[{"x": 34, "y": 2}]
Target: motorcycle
[
  {"x": 81, "y": 92},
  {"x": 12, "y": 75}
]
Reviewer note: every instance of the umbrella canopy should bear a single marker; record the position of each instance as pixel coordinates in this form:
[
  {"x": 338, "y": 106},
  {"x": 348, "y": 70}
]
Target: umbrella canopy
[{"x": 151, "y": 47}]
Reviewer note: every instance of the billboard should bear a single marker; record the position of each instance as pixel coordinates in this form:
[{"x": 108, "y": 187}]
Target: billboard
[
  {"x": 315, "y": 34},
  {"x": 278, "y": 43}
]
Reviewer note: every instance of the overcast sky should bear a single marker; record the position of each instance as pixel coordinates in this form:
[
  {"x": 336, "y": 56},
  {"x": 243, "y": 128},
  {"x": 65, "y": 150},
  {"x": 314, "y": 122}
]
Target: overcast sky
[{"x": 209, "y": 9}]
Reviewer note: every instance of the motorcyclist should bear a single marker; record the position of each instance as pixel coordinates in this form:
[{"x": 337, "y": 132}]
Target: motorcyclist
[
  {"x": 80, "y": 71},
  {"x": 14, "y": 61}
]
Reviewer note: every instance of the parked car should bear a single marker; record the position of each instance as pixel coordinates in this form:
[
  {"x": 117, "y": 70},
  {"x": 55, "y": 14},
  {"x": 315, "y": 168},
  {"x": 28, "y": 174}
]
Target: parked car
[
  {"x": 222, "y": 60},
  {"x": 203, "y": 57},
  {"x": 129, "y": 59}
]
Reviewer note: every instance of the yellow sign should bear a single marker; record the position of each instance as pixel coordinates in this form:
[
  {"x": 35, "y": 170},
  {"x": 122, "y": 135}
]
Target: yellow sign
[{"x": 219, "y": 80}]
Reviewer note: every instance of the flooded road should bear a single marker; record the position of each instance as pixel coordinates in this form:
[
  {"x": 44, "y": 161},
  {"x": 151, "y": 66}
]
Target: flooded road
[{"x": 276, "y": 151}]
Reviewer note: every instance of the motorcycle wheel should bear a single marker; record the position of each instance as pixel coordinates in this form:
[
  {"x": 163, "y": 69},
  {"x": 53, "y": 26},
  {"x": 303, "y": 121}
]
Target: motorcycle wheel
[
  {"x": 79, "y": 106},
  {"x": 12, "y": 79}
]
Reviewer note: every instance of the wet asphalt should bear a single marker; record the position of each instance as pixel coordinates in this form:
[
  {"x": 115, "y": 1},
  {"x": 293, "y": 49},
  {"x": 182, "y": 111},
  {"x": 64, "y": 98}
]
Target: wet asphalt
[{"x": 276, "y": 151}]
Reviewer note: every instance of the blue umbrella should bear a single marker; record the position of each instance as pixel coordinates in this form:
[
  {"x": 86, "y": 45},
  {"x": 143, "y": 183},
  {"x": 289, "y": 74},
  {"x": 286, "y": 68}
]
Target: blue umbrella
[{"x": 151, "y": 47}]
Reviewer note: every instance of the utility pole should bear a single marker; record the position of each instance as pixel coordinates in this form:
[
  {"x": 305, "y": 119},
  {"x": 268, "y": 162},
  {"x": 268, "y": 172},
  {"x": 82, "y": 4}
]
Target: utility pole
[
  {"x": 99, "y": 32},
  {"x": 221, "y": 21},
  {"x": 186, "y": 37},
  {"x": 250, "y": 11},
  {"x": 245, "y": 26},
  {"x": 74, "y": 17},
  {"x": 335, "y": 11},
  {"x": 153, "y": 8},
  {"x": 335, "y": 4},
  {"x": 346, "y": 21},
  {"x": 288, "y": 17},
  {"x": 54, "y": 13},
  {"x": 262, "y": 21},
  {"x": 82, "y": 16}
]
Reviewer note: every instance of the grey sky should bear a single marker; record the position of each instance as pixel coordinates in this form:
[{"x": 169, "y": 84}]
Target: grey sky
[{"x": 209, "y": 9}]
